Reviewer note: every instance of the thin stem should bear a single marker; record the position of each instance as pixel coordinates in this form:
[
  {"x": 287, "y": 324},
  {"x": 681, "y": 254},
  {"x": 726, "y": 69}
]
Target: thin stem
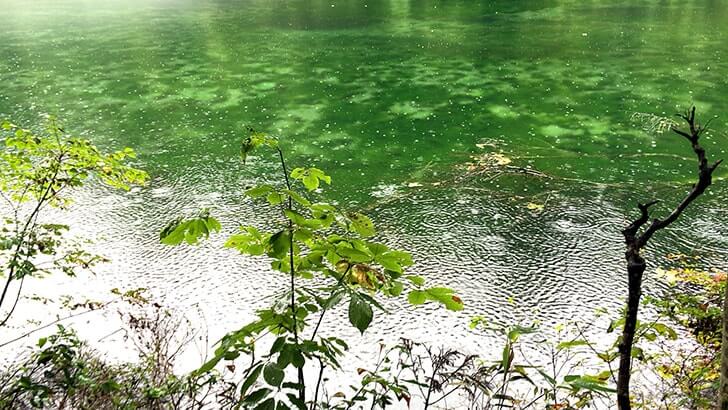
[
  {"x": 21, "y": 237},
  {"x": 326, "y": 307},
  {"x": 594, "y": 350},
  {"x": 380, "y": 361},
  {"x": 15, "y": 304},
  {"x": 435, "y": 369},
  {"x": 314, "y": 404},
  {"x": 452, "y": 374},
  {"x": 301, "y": 381},
  {"x": 47, "y": 325}
]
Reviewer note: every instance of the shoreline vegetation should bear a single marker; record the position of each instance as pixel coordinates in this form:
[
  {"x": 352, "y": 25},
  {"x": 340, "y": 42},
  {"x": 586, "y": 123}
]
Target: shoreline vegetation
[{"x": 333, "y": 259}]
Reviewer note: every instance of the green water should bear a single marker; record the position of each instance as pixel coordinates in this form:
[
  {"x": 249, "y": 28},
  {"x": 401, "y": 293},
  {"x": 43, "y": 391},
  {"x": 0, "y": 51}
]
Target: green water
[{"x": 391, "y": 98}]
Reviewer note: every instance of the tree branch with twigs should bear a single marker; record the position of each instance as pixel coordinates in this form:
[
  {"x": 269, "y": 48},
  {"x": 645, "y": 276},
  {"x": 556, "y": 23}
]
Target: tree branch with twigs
[{"x": 636, "y": 236}]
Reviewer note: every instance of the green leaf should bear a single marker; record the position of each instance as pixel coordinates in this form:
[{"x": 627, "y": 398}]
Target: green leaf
[
  {"x": 507, "y": 357},
  {"x": 209, "y": 365},
  {"x": 300, "y": 220},
  {"x": 516, "y": 331},
  {"x": 286, "y": 356},
  {"x": 396, "y": 288},
  {"x": 297, "y": 359},
  {"x": 589, "y": 383},
  {"x": 395, "y": 261},
  {"x": 190, "y": 230},
  {"x": 274, "y": 198},
  {"x": 548, "y": 378},
  {"x": 297, "y": 197},
  {"x": 259, "y": 191},
  {"x": 310, "y": 182},
  {"x": 279, "y": 244},
  {"x": 351, "y": 254},
  {"x": 250, "y": 241},
  {"x": 254, "y": 140},
  {"x": 273, "y": 375},
  {"x": 251, "y": 379},
  {"x": 664, "y": 330},
  {"x": 268, "y": 404},
  {"x": 320, "y": 175},
  {"x": 417, "y": 280},
  {"x": 445, "y": 296},
  {"x": 360, "y": 313},
  {"x": 298, "y": 173},
  {"x": 361, "y": 224},
  {"x": 257, "y": 395},
  {"x": 278, "y": 345},
  {"x": 296, "y": 401},
  {"x": 310, "y": 177},
  {"x": 571, "y": 344},
  {"x": 417, "y": 297}
]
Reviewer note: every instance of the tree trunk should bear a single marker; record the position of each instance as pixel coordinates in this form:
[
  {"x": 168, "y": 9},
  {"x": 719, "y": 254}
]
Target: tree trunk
[
  {"x": 636, "y": 264},
  {"x": 635, "y": 269}
]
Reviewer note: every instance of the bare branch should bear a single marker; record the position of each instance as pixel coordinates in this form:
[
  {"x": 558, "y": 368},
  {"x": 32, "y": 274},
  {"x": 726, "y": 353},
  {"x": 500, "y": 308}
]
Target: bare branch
[
  {"x": 636, "y": 265},
  {"x": 705, "y": 178},
  {"x": 630, "y": 232}
]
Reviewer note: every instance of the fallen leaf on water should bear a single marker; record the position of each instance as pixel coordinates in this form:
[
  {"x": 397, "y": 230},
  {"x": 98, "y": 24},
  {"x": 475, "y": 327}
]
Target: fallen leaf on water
[{"x": 501, "y": 159}]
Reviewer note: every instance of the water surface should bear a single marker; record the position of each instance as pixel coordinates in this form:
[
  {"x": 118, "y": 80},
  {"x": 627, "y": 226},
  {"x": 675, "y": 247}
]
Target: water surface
[{"x": 392, "y": 98}]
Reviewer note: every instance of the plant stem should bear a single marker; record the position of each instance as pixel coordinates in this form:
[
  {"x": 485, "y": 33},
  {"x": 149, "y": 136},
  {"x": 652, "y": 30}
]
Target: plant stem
[
  {"x": 314, "y": 404},
  {"x": 321, "y": 317},
  {"x": 21, "y": 237},
  {"x": 301, "y": 380}
]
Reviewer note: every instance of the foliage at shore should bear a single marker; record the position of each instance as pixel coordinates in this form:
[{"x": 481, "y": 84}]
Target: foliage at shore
[{"x": 332, "y": 260}]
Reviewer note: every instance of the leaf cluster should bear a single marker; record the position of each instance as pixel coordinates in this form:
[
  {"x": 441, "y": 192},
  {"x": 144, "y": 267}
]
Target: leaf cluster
[{"x": 331, "y": 257}]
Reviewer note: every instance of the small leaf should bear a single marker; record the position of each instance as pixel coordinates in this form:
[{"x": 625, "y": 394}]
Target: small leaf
[
  {"x": 251, "y": 379},
  {"x": 417, "y": 280},
  {"x": 360, "y": 313},
  {"x": 417, "y": 297},
  {"x": 190, "y": 230},
  {"x": 279, "y": 243},
  {"x": 361, "y": 224},
  {"x": 259, "y": 191},
  {"x": 257, "y": 395},
  {"x": 273, "y": 375},
  {"x": 310, "y": 182}
]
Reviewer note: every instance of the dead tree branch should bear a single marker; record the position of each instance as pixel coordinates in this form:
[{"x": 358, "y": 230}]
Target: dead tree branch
[{"x": 635, "y": 241}]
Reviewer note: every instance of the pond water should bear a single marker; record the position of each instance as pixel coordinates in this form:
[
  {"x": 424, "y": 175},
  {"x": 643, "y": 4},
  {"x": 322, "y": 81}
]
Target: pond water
[{"x": 393, "y": 98}]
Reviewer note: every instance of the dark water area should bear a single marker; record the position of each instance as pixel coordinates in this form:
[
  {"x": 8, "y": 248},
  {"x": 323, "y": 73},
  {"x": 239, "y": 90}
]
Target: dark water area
[{"x": 393, "y": 99}]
